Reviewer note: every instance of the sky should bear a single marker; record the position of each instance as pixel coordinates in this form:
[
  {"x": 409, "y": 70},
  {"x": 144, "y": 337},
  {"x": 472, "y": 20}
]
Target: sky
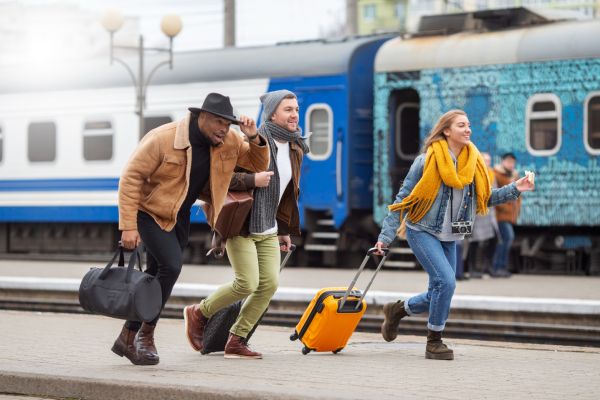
[
  {"x": 67, "y": 29},
  {"x": 259, "y": 22}
]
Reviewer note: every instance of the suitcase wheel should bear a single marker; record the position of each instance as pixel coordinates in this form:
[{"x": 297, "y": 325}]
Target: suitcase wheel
[
  {"x": 294, "y": 336},
  {"x": 305, "y": 350},
  {"x": 337, "y": 350}
]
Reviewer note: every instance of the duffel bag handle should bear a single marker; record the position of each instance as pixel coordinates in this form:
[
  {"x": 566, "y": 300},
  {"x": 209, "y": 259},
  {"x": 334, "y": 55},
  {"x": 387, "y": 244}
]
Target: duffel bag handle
[
  {"x": 360, "y": 269},
  {"x": 135, "y": 256}
]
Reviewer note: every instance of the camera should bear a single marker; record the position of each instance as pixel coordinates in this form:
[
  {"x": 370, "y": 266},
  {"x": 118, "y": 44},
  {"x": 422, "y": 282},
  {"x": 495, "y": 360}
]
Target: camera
[{"x": 462, "y": 227}]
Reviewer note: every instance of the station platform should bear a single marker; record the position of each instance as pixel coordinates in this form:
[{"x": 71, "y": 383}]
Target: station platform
[{"x": 68, "y": 356}]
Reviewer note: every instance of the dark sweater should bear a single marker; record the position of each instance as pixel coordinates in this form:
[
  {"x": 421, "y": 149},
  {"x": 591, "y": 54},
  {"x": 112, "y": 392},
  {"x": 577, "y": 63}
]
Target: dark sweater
[{"x": 199, "y": 174}]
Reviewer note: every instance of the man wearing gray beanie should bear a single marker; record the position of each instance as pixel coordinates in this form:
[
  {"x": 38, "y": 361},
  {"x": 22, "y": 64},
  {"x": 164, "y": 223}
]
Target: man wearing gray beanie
[
  {"x": 271, "y": 100},
  {"x": 254, "y": 255}
]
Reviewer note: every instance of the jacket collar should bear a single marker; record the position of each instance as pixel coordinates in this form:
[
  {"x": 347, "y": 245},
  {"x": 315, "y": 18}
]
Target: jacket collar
[{"x": 182, "y": 133}]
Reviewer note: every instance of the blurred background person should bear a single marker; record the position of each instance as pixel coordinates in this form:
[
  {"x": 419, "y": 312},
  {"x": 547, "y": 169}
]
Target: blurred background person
[
  {"x": 506, "y": 215},
  {"x": 482, "y": 243}
]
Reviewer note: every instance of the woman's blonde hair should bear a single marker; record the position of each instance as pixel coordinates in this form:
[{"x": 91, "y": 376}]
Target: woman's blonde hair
[{"x": 437, "y": 133}]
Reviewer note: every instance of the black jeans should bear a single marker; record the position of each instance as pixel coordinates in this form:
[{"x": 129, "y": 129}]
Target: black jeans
[{"x": 164, "y": 255}]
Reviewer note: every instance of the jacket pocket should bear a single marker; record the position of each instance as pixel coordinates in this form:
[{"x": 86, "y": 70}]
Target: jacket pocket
[
  {"x": 228, "y": 155},
  {"x": 171, "y": 167},
  {"x": 228, "y": 161}
]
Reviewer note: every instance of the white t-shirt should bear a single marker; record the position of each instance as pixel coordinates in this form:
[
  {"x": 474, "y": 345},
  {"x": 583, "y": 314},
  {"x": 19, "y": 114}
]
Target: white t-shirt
[{"x": 284, "y": 166}]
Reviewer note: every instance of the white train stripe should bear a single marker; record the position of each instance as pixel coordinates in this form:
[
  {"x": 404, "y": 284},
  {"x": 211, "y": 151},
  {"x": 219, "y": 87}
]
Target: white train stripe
[{"x": 69, "y": 198}]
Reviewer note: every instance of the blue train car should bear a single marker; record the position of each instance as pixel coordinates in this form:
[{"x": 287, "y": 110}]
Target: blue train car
[
  {"x": 531, "y": 87},
  {"x": 67, "y": 131}
]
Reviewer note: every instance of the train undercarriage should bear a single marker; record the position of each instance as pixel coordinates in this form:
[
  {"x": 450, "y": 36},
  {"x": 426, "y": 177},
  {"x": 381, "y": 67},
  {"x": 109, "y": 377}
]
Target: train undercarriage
[{"x": 553, "y": 250}]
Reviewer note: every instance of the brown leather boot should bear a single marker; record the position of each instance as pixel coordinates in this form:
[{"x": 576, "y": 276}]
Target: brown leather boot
[
  {"x": 393, "y": 313},
  {"x": 237, "y": 347},
  {"x": 124, "y": 344},
  {"x": 145, "y": 350},
  {"x": 195, "y": 322},
  {"x": 436, "y": 349}
]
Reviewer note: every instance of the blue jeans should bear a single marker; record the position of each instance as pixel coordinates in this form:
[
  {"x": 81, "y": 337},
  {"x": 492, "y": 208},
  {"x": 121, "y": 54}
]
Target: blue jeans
[
  {"x": 439, "y": 261},
  {"x": 460, "y": 266},
  {"x": 507, "y": 235}
]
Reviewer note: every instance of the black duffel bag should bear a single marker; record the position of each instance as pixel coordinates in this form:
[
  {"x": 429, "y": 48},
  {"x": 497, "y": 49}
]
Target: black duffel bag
[{"x": 120, "y": 292}]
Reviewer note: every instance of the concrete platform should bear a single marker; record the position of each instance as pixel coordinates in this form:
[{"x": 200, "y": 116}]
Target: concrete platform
[{"x": 68, "y": 356}]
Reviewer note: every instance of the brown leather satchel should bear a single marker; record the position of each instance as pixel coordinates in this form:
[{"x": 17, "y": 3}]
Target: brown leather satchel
[{"x": 231, "y": 218}]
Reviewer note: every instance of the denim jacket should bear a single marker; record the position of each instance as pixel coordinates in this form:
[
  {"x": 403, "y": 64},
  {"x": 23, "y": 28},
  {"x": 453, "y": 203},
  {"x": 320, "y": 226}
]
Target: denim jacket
[{"x": 432, "y": 221}]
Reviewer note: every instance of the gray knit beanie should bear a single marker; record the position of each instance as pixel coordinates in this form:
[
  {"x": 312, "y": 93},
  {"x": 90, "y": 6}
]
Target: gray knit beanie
[{"x": 271, "y": 100}]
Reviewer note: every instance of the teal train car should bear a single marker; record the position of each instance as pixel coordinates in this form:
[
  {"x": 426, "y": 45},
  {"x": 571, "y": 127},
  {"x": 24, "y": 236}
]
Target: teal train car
[{"x": 530, "y": 86}]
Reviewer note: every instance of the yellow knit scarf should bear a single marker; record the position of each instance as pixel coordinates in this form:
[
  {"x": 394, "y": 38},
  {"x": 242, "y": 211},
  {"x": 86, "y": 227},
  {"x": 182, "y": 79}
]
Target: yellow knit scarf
[{"x": 439, "y": 167}]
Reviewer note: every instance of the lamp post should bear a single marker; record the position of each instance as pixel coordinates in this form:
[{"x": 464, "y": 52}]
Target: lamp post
[{"x": 171, "y": 26}]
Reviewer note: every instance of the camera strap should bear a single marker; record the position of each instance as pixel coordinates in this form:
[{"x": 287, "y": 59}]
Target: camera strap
[{"x": 451, "y": 201}]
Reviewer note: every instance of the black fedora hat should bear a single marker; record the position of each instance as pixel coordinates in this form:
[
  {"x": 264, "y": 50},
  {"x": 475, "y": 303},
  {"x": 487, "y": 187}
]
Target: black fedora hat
[{"x": 217, "y": 104}]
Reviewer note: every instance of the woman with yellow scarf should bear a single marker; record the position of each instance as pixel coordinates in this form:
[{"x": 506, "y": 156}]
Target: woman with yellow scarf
[{"x": 437, "y": 200}]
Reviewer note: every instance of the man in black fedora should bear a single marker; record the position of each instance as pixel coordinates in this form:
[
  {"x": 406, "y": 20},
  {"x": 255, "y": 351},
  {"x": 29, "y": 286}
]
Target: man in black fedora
[{"x": 161, "y": 181}]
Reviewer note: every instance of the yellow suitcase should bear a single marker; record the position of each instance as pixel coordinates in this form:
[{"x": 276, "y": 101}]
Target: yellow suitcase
[{"x": 333, "y": 314}]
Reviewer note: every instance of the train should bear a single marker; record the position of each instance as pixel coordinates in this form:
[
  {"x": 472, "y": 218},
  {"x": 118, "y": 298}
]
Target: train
[
  {"x": 67, "y": 131},
  {"x": 530, "y": 86}
]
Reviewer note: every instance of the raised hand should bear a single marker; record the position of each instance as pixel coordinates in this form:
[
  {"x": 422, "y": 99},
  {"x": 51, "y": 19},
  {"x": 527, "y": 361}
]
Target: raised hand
[
  {"x": 247, "y": 126},
  {"x": 525, "y": 184}
]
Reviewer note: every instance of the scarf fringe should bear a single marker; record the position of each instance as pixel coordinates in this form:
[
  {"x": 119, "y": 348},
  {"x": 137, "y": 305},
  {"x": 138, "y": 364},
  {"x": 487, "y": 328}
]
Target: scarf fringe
[{"x": 414, "y": 208}]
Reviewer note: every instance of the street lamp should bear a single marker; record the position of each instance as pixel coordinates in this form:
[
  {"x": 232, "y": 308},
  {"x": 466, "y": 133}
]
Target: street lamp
[{"x": 171, "y": 26}]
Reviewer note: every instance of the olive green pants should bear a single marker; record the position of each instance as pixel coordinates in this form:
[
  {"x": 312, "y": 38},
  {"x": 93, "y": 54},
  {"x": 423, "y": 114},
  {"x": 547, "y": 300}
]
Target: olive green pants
[{"x": 255, "y": 260}]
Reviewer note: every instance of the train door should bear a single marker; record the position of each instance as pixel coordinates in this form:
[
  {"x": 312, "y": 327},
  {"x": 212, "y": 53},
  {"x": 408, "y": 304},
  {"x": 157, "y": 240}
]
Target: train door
[
  {"x": 322, "y": 173},
  {"x": 404, "y": 128}
]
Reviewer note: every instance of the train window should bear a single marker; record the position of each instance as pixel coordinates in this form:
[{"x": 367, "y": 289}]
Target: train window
[
  {"x": 97, "y": 140},
  {"x": 407, "y": 123},
  {"x": 319, "y": 123},
  {"x": 543, "y": 125},
  {"x": 369, "y": 12},
  {"x": 154, "y": 122},
  {"x": 591, "y": 131},
  {"x": 41, "y": 142}
]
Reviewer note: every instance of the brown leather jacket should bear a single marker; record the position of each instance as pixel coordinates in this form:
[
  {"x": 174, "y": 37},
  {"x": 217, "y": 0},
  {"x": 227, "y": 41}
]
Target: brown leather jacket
[
  {"x": 288, "y": 215},
  {"x": 509, "y": 211},
  {"x": 156, "y": 177}
]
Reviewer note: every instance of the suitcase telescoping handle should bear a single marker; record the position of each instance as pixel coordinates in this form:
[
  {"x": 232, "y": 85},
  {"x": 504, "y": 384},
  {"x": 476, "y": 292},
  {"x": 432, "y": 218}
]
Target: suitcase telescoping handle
[
  {"x": 360, "y": 269},
  {"x": 287, "y": 256}
]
